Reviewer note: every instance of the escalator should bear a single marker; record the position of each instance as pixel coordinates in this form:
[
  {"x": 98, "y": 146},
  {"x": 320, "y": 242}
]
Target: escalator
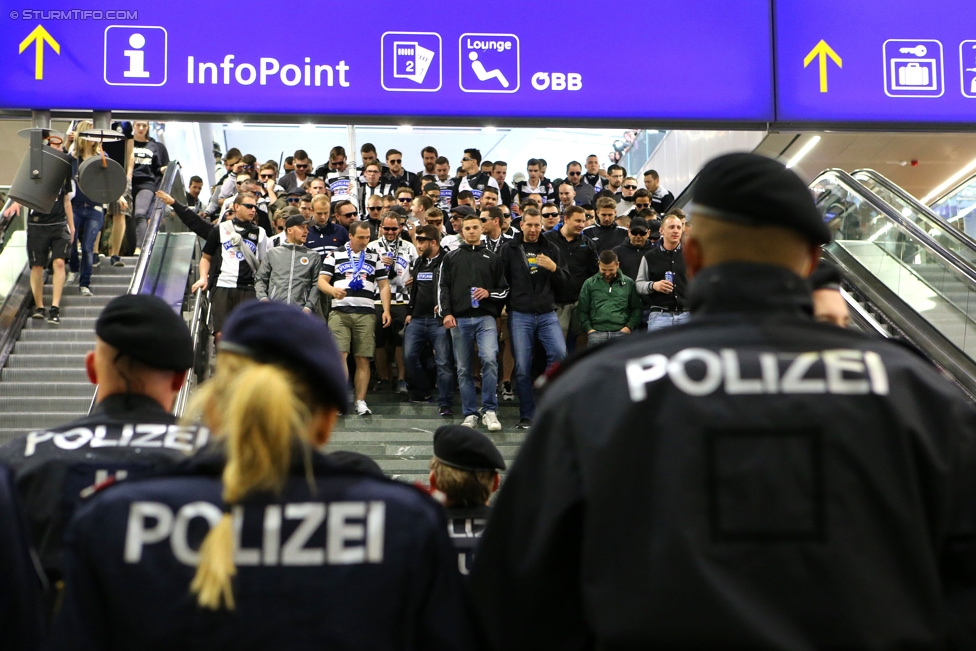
[
  {"x": 43, "y": 381},
  {"x": 913, "y": 274},
  {"x": 906, "y": 274}
]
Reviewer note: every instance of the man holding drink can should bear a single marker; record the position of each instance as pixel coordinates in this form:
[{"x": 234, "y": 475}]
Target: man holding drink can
[{"x": 662, "y": 278}]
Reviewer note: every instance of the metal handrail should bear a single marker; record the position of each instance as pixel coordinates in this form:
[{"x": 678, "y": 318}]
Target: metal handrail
[
  {"x": 862, "y": 317},
  {"x": 156, "y": 210},
  {"x": 954, "y": 189},
  {"x": 184, "y": 395},
  {"x": 947, "y": 257},
  {"x": 918, "y": 207}
]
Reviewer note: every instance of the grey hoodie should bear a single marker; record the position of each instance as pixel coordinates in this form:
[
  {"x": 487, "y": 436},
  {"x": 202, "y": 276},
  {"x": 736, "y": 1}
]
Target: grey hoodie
[{"x": 290, "y": 273}]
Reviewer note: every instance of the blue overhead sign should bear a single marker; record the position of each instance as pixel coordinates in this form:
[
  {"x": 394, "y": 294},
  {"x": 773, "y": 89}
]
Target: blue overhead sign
[
  {"x": 668, "y": 60},
  {"x": 897, "y": 61}
]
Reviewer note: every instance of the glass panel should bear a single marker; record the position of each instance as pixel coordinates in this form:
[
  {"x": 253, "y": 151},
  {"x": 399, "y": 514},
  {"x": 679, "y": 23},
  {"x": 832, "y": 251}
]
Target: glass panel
[
  {"x": 943, "y": 233},
  {"x": 959, "y": 208},
  {"x": 904, "y": 265}
]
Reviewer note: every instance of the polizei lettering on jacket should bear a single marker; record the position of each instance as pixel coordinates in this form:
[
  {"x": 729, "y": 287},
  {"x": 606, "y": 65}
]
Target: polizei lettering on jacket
[
  {"x": 173, "y": 437},
  {"x": 700, "y": 372},
  {"x": 333, "y": 533}
]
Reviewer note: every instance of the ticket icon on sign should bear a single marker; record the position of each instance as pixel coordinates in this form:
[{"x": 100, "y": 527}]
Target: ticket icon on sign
[{"x": 411, "y": 61}]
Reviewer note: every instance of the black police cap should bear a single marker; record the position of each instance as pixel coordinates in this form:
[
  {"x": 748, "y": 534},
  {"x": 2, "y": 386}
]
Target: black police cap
[
  {"x": 148, "y": 330},
  {"x": 275, "y": 333},
  {"x": 466, "y": 449},
  {"x": 756, "y": 190}
]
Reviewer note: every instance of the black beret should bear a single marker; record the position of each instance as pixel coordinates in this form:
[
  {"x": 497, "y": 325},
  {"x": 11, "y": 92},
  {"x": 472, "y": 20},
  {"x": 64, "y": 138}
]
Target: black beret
[
  {"x": 148, "y": 330},
  {"x": 466, "y": 449},
  {"x": 295, "y": 220},
  {"x": 758, "y": 191},
  {"x": 275, "y": 333}
]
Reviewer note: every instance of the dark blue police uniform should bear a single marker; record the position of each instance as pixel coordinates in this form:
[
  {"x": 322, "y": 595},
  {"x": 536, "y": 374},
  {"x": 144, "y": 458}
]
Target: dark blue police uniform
[
  {"x": 348, "y": 561},
  {"x": 21, "y": 603}
]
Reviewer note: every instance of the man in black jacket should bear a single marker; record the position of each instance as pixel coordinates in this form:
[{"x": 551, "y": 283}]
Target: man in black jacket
[
  {"x": 631, "y": 252},
  {"x": 665, "y": 294},
  {"x": 534, "y": 269},
  {"x": 472, "y": 291},
  {"x": 606, "y": 234},
  {"x": 425, "y": 326},
  {"x": 581, "y": 261},
  {"x": 751, "y": 480}
]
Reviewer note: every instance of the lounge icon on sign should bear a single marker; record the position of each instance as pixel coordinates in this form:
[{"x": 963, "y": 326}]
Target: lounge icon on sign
[
  {"x": 913, "y": 68},
  {"x": 967, "y": 68},
  {"x": 135, "y": 56},
  {"x": 489, "y": 63}
]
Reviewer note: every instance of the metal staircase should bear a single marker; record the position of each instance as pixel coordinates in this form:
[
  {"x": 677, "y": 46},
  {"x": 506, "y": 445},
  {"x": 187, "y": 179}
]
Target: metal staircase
[{"x": 44, "y": 382}]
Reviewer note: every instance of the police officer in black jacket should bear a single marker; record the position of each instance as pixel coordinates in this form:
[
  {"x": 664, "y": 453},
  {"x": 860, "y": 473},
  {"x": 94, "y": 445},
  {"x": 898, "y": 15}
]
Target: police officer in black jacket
[
  {"x": 261, "y": 542},
  {"x": 141, "y": 354},
  {"x": 463, "y": 475},
  {"x": 752, "y": 480},
  {"x": 21, "y": 598}
]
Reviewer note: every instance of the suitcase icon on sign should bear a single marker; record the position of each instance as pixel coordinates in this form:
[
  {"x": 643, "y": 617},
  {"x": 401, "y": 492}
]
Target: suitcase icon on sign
[{"x": 913, "y": 75}]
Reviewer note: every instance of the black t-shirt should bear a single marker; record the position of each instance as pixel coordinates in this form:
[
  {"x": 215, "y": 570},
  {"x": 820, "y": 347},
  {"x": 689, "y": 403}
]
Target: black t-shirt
[
  {"x": 57, "y": 216},
  {"x": 115, "y": 149},
  {"x": 148, "y": 159}
]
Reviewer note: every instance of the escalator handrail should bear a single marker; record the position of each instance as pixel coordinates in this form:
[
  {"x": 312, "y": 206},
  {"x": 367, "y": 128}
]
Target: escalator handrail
[
  {"x": 954, "y": 189},
  {"x": 183, "y": 397},
  {"x": 155, "y": 211},
  {"x": 950, "y": 259},
  {"x": 924, "y": 336},
  {"x": 684, "y": 198},
  {"x": 918, "y": 206},
  {"x": 862, "y": 317}
]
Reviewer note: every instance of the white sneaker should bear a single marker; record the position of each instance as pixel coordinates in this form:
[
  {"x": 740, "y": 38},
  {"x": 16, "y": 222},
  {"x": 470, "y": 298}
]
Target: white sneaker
[
  {"x": 362, "y": 409},
  {"x": 72, "y": 277},
  {"x": 85, "y": 291},
  {"x": 471, "y": 421},
  {"x": 491, "y": 421}
]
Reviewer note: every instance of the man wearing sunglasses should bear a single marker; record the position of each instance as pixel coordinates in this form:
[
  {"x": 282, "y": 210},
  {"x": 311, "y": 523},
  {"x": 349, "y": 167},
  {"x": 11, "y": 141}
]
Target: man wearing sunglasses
[
  {"x": 242, "y": 245},
  {"x": 473, "y": 180},
  {"x": 585, "y": 193},
  {"x": 397, "y": 177},
  {"x": 625, "y": 199},
  {"x": 631, "y": 252},
  {"x": 302, "y": 171}
]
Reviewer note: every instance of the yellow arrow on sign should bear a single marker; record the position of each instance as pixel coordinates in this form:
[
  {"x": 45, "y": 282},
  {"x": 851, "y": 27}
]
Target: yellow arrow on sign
[
  {"x": 823, "y": 51},
  {"x": 39, "y": 36}
]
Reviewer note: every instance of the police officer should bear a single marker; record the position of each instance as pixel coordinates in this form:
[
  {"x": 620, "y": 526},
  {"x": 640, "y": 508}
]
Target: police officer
[
  {"x": 139, "y": 362},
  {"x": 21, "y": 599},
  {"x": 752, "y": 480},
  {"x": 262, "y": 542},
  {"x": 464, "y": 474}
]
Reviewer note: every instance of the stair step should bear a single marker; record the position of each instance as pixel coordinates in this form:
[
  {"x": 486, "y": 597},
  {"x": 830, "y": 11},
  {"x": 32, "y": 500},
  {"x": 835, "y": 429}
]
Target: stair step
[
  {"x": 52, "y": 347},
  {"x": 47, "y": 404},
  {"x": 74, "y": 321},
  {"x": 30, "y": 421},
  {"x": 37, "y": 375},
  {"x": 508, "y": 436},
  {"x": 57, "y": 334},
  {"x": 46, "y": 361},
  {"x": 66, "y": 389}
]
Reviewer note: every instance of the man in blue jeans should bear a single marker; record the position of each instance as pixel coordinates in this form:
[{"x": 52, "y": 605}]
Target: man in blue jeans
[
  {"x": 534, "y": 270},
  {"x": 424, "y": 326},
  {"x": 472, "y": 291}
]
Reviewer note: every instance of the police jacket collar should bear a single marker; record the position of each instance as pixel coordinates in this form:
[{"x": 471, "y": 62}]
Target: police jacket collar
[
  {"x": 749, "y": 287},
  {"x": 132, "y": 406}
]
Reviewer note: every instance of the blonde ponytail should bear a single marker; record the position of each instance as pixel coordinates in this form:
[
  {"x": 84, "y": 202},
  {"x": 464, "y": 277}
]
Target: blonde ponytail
[{"x": 258, "y": 413}]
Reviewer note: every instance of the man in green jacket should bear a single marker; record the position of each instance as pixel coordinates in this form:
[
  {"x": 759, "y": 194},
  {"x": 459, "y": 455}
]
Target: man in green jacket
[{"x": 609, "y": 306}]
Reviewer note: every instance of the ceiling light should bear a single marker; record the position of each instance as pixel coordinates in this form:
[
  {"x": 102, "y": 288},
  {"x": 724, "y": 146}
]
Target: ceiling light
[
  {"x": 404, "y": 128},
  {"x": 804, "y": 150}
]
